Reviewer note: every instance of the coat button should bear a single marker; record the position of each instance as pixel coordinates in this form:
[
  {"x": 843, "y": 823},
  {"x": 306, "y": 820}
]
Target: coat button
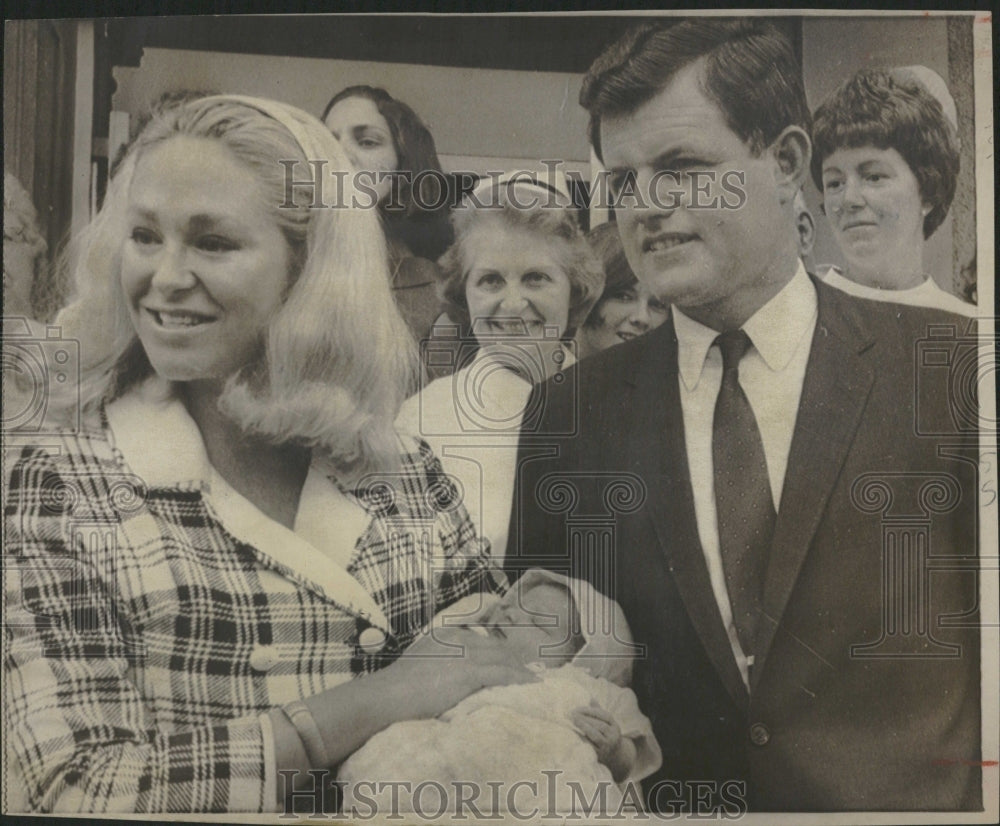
[
  {"x": 263, "y": 658},
  {"x": 372, "y": 640},
  {"x": 759, "y": 734}
]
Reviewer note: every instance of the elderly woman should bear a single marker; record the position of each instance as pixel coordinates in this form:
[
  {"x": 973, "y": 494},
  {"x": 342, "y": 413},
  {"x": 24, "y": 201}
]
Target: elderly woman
[
  {"x": 196, "y": 575},
  {"x": 886, "y": 160},
  {"x": 626, "y": 309},
  {"x": 519, "y": 279},
  {"x": 386, "y": 140}
]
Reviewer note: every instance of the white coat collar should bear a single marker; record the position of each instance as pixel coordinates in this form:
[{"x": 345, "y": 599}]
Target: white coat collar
[{"x": 161, "y": 443}]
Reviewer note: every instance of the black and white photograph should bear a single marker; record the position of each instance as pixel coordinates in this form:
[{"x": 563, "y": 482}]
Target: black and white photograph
[{"x": 527, "y": 417}]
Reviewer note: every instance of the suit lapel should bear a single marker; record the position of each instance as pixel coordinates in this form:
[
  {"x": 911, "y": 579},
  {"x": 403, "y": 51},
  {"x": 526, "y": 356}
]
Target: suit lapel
[
  {"x": 837, "y": 383},
  {"x": 657, "y": 412}
]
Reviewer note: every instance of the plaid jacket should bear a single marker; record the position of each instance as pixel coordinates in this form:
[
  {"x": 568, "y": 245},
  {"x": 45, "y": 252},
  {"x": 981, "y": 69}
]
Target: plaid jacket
[{"x": 149, "y": 622}]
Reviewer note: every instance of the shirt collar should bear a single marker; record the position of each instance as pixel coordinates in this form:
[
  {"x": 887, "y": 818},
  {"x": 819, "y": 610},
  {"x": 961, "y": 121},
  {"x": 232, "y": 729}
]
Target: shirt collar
[
  {"x": 177, "y": 455},
  {"x": 693, "y": 341},
  {"x": 776, "y": 329}
]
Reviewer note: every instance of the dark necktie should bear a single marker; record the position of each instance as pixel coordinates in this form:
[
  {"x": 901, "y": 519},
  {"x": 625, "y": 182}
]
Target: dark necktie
[{"x": 742, "y": 492}]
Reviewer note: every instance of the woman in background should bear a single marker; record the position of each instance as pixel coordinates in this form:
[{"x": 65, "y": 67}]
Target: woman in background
[
  {"x": 519, "y": 280},
  {"x": 24, "y": 250},
  {"x": 382, "y": 136},
  {"x": 626, "y": 309},
  {"x": 886, "y": 159},
  {"x": 196, "y": 575},
  {"x": 26, "y": 362}
]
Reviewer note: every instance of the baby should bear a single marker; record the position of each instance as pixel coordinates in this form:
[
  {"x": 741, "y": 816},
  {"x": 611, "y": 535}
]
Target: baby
[{"x": 555, "y": 745}]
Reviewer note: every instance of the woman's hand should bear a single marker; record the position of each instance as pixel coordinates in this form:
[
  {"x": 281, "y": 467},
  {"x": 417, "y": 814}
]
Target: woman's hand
[
  {"x": 600, "y": 728},
  {"x": 432, "y": 675},
  {"x": 444, "y": 666}
]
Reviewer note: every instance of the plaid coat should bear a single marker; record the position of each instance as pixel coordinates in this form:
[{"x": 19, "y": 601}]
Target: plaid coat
[{"x": 153, "y": 615}]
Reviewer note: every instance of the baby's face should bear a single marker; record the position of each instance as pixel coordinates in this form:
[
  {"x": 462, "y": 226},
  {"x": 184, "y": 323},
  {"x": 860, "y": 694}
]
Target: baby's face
[{"x": 535, "y": 624}]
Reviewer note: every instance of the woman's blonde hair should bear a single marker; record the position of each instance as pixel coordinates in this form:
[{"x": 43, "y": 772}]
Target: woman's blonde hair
[{"x": 337, "y": 359}]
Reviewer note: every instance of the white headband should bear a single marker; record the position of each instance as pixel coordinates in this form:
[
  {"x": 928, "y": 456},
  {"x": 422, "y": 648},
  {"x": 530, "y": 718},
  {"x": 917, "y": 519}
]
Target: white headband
[
  {"x": 291, "y": 117},
  {"x": 540, "y": 187}
]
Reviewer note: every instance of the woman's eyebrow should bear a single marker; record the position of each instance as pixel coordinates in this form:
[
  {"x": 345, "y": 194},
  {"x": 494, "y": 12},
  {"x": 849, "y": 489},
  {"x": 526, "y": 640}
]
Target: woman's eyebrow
[
  {"x": 361, "y": 128},
  {"x": 207, "y": 220},
  {"x": 143, "y": 212}
]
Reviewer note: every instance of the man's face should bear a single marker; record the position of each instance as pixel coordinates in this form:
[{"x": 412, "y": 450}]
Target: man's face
[{"x": 712, "y": 236}]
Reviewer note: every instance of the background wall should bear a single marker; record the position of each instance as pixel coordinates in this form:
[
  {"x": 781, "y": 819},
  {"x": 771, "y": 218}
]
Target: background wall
[{"x": 475, "y": 115}]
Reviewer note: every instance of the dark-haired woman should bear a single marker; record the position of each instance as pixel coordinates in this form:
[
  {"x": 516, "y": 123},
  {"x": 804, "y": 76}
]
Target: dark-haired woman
[
  {"x": 391, "y": 146},
  {"x": 886, "y": 160}
]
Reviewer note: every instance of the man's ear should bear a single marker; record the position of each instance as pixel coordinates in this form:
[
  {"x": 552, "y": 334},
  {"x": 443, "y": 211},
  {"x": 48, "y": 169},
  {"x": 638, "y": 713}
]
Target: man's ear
[
  {"x": 806, "y": 227},
  {"x": 791, "y": 151}
]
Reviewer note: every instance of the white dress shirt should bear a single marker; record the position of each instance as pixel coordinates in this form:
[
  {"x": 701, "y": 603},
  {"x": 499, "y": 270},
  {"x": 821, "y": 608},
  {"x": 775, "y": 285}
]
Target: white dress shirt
[{"x": 771, "y": 375}]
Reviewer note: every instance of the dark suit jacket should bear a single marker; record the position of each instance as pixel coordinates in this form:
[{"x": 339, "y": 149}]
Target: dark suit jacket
[{"x": 865, "y": 693}]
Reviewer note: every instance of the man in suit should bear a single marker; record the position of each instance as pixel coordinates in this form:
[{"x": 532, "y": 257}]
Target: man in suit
[{"x": 771, "y": 484}]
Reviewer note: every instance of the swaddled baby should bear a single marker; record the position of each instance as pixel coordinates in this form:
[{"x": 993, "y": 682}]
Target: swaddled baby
[{"x": 561, "y": 744}]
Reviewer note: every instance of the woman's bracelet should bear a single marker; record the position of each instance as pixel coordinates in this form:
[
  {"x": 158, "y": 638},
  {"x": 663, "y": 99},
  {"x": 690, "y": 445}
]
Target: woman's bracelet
[{"x": 300, "y": 716}]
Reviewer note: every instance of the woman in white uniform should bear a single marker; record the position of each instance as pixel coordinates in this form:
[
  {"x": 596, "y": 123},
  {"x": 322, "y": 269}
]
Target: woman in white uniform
[{"x": 886, "y": 159}]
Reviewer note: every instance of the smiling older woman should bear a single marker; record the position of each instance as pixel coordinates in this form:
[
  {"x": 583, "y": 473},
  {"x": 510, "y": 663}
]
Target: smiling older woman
[
  {"x": 519, "y": 279},
  {"x": 236, "y": 531}
]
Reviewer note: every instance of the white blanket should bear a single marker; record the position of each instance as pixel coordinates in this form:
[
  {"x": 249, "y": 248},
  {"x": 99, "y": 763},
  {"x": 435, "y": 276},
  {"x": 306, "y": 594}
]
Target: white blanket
[{"x": 508, "y": 749}]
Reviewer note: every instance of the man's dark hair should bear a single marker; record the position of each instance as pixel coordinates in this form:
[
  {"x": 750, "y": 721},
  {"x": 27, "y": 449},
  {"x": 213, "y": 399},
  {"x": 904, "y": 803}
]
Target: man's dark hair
[
  {"x": 750, "y": 72},
  {"x": 874, "y": 108}
]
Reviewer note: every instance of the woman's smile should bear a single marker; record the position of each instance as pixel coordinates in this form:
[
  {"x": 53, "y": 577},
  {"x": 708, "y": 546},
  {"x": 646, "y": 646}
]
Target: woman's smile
[
  {"x": 205, "y": 265},
  {"x": 515, "y": 284}
]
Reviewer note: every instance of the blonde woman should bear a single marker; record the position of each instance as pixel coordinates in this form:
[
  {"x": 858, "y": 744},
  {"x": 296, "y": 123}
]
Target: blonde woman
[{"x": 236, "y": 532}]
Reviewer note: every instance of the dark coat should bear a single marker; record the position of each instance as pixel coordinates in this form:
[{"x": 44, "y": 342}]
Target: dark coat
[{"x": 842, "y": 713}]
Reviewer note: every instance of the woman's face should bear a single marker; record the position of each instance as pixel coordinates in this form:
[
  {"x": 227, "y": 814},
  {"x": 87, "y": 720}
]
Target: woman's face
[
  {"x": 624, "y": 314},
  {"x": 204, "y": 264},
  {"x": 515, "y": 285},
  {"x": 873, "y": 201},
  {"x": 367, "y": 139}
]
